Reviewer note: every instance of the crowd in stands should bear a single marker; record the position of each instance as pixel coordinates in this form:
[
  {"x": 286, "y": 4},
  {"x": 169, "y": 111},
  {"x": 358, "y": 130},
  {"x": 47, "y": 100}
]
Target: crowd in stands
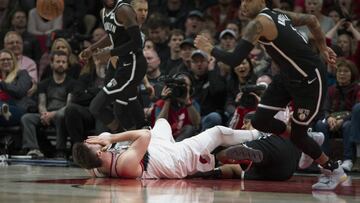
[{"x": 43, "y": 83}]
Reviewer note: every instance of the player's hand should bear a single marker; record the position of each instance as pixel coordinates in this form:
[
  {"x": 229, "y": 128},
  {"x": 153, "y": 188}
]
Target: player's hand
[
  {"x": 85, "y": 54},
  {"x": 203, "y": 43},
  {"x": 330, "y": 56},
  {"x": 102, "y": 55},
  {"x": 104, "y": 139}
]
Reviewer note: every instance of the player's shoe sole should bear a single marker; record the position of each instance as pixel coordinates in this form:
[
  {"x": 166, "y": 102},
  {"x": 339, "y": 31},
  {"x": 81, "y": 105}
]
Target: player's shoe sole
[{"x": 238, "y": 153}]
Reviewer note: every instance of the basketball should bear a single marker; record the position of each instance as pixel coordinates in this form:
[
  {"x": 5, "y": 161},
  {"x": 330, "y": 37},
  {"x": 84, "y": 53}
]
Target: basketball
[{"x": 50, "y": 9}]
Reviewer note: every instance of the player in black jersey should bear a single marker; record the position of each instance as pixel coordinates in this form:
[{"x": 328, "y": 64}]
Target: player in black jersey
[
  {"x": 124, "y": 40},
  {"x": 301, "y": 79}
]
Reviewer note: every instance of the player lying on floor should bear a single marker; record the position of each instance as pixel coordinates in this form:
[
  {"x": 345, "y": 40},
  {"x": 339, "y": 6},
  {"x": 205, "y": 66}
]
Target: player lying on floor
[
  {"x": 270, "y": 157},
  {"x": 155, "y": 154}
]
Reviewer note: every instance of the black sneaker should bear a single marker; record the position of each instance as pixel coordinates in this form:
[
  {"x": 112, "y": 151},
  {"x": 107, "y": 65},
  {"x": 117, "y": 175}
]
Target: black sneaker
[{"x": 238, "y": 153}]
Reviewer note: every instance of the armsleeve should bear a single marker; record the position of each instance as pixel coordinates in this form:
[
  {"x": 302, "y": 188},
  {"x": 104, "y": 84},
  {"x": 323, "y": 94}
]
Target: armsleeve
[
  {"x": 134, "y": 45},
  {"x": 242, "y": 50}
]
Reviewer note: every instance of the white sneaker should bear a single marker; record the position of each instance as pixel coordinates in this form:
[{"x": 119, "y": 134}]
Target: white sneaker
[
  {"x": 305, "y": 160},
  {"x": 347, "y": 165},
  {"x": 35, "y": 153},
  {"x": 330, "y": 179}
]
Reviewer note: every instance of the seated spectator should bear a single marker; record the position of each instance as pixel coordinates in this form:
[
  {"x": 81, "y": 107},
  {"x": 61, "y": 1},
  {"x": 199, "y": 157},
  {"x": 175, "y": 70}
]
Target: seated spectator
[
  {"x": 176, "y": 38},
  {"x": 210, "y": 89},
  {"x": 314, "y": 7},
  {"x": 40, "y": 26},
  {"x": 14, "y": 42},
  {"x": 222, "y": 12},
  {"x": 227, "y": 43},
  {"x": 53, "y": 95},
  {"x": 153, "y": 74},
  {"x": 79, "y": 122},
  {"x": 159, "y": 28},
  {"x": 18, "y": 24},
  {"x": 186, "y": 48},
  {"x": 6, "y": 9},
  {"x": 14, "y": 84},
  {"x": 194, "y": 23},
  {"x": 238, "y": 96},
  {"x": 177, "y": 106},
  {"x": 340, "y": 108},
  {"x": 74, "y": 66},
  {"x": 348, "y": 40}
]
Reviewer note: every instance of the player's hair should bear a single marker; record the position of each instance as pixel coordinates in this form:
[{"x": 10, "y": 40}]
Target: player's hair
[{"x": 84, "y": 157}]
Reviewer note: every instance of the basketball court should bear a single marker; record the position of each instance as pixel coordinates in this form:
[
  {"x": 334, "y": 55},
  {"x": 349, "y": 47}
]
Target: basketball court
[{"x": 29, "y": 183}]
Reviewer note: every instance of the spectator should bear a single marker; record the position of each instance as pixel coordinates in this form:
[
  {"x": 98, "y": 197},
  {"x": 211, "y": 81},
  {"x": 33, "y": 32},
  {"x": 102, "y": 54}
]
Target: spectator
[
  {"x": 14, "y": 84},
  {"x": 39, "y": 26},
  {"x": 153, "y": 73},
  {"x": 176, "y": 38},
  {"x": 6, "y": 9},
  {"x": 13, "y": 41},
  {"x": 177, "y": 106},
  {"x": 186, "y": 48},
  {"x": 227, "y": 40},
  {"x": 194, "y": 23},
  {"x": 340, "y": 109},
  {"x": 222, "y": 12},
  {"x": 241, "y": 76},
  {"x": 159, "y": 27},
  {"x": 227, "y": 43},
  {"x": 314, "y": 7},
  {"x": 350, "y": 49},
  {"x": 53, "y": 95},
  {"x": 176, "y": 11},
  {"x": 19, "y": 24},
  {"x": 148, "y": 44},
  {"x": 74, "y": 66},
  {"x": 210, "y": 89},
  {"x": 79, "y": 122}
]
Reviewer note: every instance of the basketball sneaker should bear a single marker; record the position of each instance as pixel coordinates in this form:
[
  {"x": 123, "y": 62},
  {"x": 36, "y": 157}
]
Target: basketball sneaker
[
  {"x": 329, "y": 180},
  {"x": 305, "y": 160},
  {"x": 240, "y": 154}
]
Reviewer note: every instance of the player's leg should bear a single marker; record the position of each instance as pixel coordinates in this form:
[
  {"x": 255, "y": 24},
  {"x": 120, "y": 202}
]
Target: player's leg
[{"x": 275, "y": 99}]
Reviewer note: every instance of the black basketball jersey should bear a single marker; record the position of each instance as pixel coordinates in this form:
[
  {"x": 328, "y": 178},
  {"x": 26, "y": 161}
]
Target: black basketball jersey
[
  {"x": 290, "y": 50},
  {"x": 117, "y": 33}
]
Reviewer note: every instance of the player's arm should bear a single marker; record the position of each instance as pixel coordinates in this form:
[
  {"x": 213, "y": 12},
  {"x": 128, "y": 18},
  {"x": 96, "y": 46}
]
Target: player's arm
[
  {"x": 302, "y": 19},
  {"x": 127, "y": 16},
  {"x": 252, "y": 32},
  {"x": 299, "y": 19},
  {"x": 129, "y": 162}
]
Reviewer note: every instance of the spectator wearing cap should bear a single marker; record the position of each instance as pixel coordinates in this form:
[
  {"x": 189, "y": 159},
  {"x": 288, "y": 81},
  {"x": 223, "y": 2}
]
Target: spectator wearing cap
[
  {"x": 186, "y": 48},
  {"x": 176, "y": 38},
  {"x": 194, "y": 23},
  {"x": 227, "y": 39},
  {"x": 210, "y": 89},
  {"x": 234, "y": 26},
  {"x": 222, "y": 12}
]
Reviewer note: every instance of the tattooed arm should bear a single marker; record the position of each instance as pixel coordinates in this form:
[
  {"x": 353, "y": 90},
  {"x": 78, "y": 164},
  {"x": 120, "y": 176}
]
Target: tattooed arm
[
  {"x": 253, "y": 31},
  {"x": 299, "y": 19}
]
